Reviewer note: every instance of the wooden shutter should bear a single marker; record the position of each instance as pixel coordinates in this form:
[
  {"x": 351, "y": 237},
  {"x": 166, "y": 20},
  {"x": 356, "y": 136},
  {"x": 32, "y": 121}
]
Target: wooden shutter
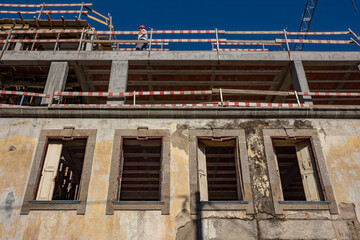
[
  {"x": 203, "y": 184},
  {"x": 307, "y": 171},
  {"x": 49, "y": 172}
]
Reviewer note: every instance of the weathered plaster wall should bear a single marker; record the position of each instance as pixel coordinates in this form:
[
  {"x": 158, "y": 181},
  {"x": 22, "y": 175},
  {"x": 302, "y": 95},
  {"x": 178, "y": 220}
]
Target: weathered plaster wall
[{"x": 341, "y": 147}]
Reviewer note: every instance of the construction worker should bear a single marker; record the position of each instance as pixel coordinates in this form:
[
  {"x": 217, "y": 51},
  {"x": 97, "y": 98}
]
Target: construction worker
[{"x": 142, "y": 36}]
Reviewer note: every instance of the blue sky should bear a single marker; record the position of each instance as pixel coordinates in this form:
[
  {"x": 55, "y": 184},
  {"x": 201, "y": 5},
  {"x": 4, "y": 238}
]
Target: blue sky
[{"x": 330, "y": 15}]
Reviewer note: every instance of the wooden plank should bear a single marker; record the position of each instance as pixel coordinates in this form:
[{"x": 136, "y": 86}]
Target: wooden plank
[
  {"x": 49, "y": 172},
  {"x": 250, "y": 92},
  {"x": 202, "y": 173},
  {"x": 239, "y": 185},
  {"x": 307, "y": 171},
  {"x": 141, "y": 164},
  {"x": 147, "y": 155}
]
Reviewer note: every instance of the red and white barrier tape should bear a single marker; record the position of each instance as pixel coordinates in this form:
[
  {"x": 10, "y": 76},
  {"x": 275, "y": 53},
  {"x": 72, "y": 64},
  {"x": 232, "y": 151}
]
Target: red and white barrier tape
[
  {"x": 241, "y": 50},
  {"x": 254, "y": 104},
  {"x": 129, "y": 94},
  {"x": 318, "y": 33},
  {"x": 187, "y": 40},
  {"x": 159, "y": 93},
  {"x": 341, "y": 94},
  {"x": 152, "y": 49},
  {"x": 313, "y": 41},
  {"x": 40, "y": 40},
  {"x": 243, "y": 43},
  {"x": 172, "y": 32},
  {"x": 132, "y": 43},
  {"x": 46, "y": 5},
  {"x": 24, "y": 94},
  {"x": 37, "y": 12},
  {"x": 225, "y": 104}
]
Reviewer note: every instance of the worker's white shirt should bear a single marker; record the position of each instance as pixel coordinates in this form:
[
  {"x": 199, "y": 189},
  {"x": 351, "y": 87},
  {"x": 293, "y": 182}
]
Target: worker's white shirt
[{"x": 143, "y": 35}]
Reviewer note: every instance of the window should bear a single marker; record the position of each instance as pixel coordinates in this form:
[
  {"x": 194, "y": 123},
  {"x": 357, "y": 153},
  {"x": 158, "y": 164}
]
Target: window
[
  {"x": 140, "y": 178},
  {"x": 219, "y": 173},
  {"x": 140, "y": 172},
  {"x": 297, "y": 171},
  {"x": 61, "y": 171}
]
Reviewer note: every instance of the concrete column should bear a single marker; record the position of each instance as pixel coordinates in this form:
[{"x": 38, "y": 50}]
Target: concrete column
[
  {"x": 300, "y": 82},
  {"x": 89, "y": 46},
  {"x": 56, "y": 80},
  {"x": 118, "y": 80},
  {"x": 19, "y": 46}
]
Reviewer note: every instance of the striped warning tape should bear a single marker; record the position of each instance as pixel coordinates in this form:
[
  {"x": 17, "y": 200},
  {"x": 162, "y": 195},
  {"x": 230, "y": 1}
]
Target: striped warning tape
[
  {"x": 36, "y": 12},
  {"x": 318, "y": 33},
  {"x": 24, "y": 94},
  {"x": 187, "y": 40},
  {"x": 46, "y": 5},
  {"x": 225, "y": 104},
  {"x": 342, "y": 94},
  {"x": 132, "y": 43},
  {"x": 134, "y": 49},
  {"x": 241, "y": 50},
  {"x": 40, "y": 40},
  {"x": 129, "y": 94},
  {"x": 242, "y": 43},
  {"x": 313, "y": 41},
  {"x": 172, "y": 32},
  {"x": 140, "y": 105},
  {"x": 255, "y": 104}
]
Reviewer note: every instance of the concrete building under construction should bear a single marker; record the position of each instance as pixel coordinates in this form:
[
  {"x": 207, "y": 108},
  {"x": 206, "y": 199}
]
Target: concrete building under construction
[{"x": 102, "y": 142}]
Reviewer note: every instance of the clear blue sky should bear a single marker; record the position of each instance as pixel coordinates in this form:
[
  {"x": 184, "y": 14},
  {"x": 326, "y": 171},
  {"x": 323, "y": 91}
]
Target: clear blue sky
[{"x": 330, "y": 15}]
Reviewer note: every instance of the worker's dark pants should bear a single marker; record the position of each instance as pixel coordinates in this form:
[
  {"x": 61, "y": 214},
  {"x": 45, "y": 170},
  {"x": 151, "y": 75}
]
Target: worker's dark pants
[{"x": 141, "y": 46}]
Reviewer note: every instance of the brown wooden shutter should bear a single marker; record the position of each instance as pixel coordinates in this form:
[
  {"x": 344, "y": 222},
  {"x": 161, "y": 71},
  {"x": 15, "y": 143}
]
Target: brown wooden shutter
[
  {"x": 49, "y": 171},
  {"x": 307, "y": 171},
  {"x": 203, "y": 184}
]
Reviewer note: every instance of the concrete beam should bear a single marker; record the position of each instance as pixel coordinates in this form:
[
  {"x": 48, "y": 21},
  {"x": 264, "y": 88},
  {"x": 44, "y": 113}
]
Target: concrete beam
[
  {"x": 315, "y": 112},
  {"x": 118, "y": 80},
  {"x": 188, "y": 57},
  {"x": 300, "y": 82},
  {"x": 56, "y": 79}
]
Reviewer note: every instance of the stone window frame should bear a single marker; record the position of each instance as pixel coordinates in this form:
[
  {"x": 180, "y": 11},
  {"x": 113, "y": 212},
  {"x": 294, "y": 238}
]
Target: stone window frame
[
  {"x": 29, "y": 202},
  {"x": 329, "y": 202},
  {"x": 112, "y": 203},
  {"x": 195, "y": 205}
]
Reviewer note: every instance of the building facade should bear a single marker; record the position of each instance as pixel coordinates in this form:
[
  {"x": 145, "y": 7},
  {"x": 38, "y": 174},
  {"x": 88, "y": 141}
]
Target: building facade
[{"x": 186, "y": 165}]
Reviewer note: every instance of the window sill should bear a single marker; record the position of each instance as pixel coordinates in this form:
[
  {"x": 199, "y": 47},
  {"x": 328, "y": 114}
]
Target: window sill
[
  {"x": 138, "y": 205},
  {"x": 54, "y": 205},
  {"x": 305, "y": 205},
  {"x": 55, "y": 202},
  {"x": 223, "y": 206}
]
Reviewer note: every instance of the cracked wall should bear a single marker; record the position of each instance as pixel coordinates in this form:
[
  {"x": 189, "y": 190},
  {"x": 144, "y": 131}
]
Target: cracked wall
[{"x": 339, "y": 140}]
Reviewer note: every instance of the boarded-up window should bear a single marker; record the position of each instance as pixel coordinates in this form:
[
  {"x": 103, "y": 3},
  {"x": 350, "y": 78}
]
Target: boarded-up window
[
  {"x": 62, "y": 168},
  {"x": 297, "y": 170},
  {"x": 219, "y": 170},
  {"x": 140, "y": 169}
]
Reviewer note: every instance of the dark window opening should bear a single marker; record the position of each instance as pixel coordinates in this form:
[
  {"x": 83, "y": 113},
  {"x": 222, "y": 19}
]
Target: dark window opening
[
  {"x": 141, "y": 170},
  {"x": 67, "y": 181},
  {"x": 298, "y": 170},
  {"x": 222, "y": 169},
  {"x": 291, "y": 182}
]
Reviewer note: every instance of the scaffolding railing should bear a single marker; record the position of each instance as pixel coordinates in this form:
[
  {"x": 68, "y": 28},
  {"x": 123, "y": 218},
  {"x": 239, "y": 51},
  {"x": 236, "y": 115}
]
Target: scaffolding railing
[
  {"x": 93, "y": 38},
  {"x": 55, "y": 97}
]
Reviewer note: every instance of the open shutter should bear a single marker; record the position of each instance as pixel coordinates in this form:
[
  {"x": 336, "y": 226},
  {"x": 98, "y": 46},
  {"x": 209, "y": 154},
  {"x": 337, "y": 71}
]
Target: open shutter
[
  {"x": 307, "y": 171},
  {"x": 48, "y": 174},
  {"x": 203, "y": 184}
]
